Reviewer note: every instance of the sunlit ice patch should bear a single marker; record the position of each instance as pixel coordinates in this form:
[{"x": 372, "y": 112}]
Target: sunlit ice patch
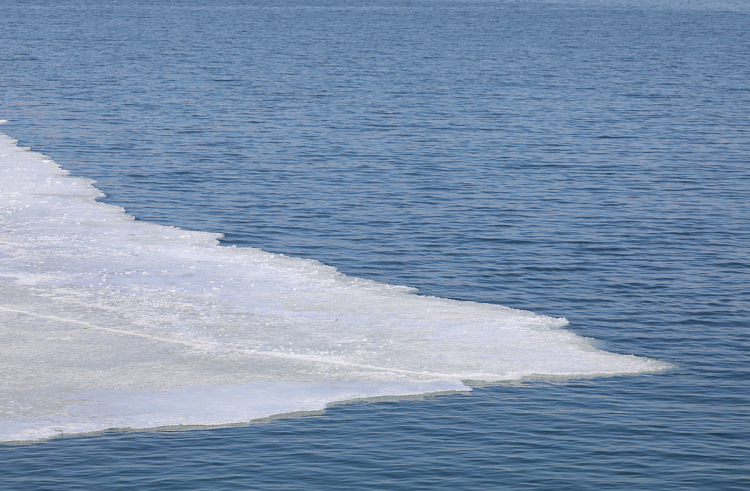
[{"x": 109, "y": 322}]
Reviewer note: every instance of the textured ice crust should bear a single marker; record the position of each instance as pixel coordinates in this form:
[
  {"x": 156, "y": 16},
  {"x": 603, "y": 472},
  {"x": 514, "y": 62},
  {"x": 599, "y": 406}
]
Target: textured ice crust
[{"x": 109, "y": 322}]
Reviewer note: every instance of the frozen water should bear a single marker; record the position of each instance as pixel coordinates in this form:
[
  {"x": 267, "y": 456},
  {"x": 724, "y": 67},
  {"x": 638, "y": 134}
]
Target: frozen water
[{"x": 110, "y": 322}]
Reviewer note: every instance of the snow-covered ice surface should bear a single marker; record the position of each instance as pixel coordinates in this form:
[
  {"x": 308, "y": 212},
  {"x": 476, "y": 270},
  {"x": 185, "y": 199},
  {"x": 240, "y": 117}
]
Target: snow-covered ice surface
[{"x": 108, "y": 322}]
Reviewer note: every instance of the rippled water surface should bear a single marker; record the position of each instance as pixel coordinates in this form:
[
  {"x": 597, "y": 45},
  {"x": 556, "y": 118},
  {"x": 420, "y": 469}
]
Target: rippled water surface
[{"x": 574, "y": 158}]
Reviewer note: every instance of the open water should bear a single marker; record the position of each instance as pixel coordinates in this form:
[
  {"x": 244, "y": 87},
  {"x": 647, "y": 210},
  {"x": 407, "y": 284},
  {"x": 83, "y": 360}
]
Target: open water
[{"x": 579, "y": 159}]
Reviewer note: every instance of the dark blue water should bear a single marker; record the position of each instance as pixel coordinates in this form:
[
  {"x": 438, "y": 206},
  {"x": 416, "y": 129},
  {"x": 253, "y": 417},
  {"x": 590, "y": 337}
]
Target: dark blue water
[{"x": 581, "y": 159}]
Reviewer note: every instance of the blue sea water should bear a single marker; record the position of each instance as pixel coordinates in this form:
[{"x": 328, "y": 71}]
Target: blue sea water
[{"x": 585, "y": 159}]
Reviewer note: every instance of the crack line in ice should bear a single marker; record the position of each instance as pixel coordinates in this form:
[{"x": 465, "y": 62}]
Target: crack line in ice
[{"x": 249, "y": 352}]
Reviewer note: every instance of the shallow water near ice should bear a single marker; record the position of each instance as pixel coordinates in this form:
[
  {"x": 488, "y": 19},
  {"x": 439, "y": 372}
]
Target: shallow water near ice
[{"x": 584, "y": 161}]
